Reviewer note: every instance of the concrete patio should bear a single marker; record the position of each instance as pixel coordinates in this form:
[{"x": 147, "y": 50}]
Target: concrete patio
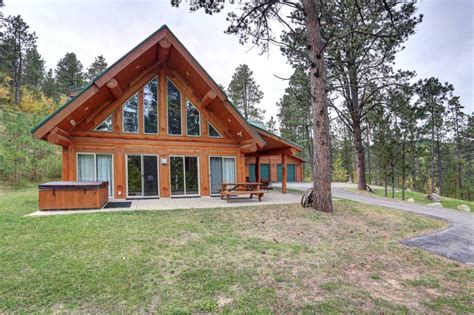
[{"x": 270, "y": 198}]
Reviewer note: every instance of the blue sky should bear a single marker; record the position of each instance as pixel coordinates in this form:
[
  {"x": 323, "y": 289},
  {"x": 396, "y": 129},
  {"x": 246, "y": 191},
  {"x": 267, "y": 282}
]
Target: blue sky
[{"x": 442, "y": 46}]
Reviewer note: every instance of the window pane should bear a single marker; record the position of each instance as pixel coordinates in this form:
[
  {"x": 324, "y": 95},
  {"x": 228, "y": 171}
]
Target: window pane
[
  {"x": 85, "y": 167},
  {"x": 213, "y": 132},
  {"x": 193, "y": 123},
  {"x": 216, "y": 174},
  {"x": 228, "y": 170},
  {"x": 177, "y": 175},
  {"x": 191, "y": 168},
  {"x": 150, "y": 175},
  {"x": 174, "y": 110},
  {"x": 104, "y": 169},
  {"x": 150, "y": 107},
  {"x": 134, "y": 173},
  {"x": 106, "y": 125},
  {"x": 130, "y": 114}
]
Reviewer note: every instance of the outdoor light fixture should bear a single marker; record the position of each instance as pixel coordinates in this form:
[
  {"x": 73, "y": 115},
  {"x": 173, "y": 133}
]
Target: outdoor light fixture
[{"x": 164, "y": 161}]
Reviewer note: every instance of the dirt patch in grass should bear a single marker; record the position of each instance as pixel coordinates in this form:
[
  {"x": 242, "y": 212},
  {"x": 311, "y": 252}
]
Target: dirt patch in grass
[{"x": 280, "y": 259}]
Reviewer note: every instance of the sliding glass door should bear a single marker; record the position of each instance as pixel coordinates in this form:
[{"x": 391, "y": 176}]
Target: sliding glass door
[
  {"x": 142, "y": 176},
  {"x": 95, "y": 167},
  {"x": 221, "y": 170},
  {"x": 184, "y": 175}
]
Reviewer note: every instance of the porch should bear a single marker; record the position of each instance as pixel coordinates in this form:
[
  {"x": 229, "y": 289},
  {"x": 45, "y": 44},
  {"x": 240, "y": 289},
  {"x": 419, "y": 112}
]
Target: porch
[{"x": 205, "y": 202}]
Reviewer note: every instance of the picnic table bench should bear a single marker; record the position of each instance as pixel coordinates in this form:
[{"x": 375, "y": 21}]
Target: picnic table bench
[{"x": 236, "y": 189}]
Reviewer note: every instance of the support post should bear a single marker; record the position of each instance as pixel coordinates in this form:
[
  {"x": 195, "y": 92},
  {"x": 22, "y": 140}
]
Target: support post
[
  {"x": 283, "y": 173},
  {"x": 257, "y": 169}
]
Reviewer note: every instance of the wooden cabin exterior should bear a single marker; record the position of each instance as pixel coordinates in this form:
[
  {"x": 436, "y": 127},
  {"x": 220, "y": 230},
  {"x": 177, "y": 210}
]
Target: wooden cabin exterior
[{"x": 155, "y": 124}]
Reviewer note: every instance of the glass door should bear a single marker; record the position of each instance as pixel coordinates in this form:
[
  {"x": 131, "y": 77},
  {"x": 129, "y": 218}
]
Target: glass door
[
  {"x": 142, "y": 176},
  {"x": 184, "y": 175},
  {"x": 221, "y": 170}
]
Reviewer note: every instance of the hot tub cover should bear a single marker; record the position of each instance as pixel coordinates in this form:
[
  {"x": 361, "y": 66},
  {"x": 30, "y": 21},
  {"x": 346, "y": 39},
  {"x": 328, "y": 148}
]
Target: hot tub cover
[{"x": 72, "y": 185}]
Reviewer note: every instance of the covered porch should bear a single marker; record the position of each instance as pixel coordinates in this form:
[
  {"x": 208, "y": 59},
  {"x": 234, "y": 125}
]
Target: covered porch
[{"x": 274, "y": 146}]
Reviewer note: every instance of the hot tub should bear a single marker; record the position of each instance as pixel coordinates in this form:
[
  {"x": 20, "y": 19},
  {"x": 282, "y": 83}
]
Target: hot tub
[{"x": 73, "y": 195}]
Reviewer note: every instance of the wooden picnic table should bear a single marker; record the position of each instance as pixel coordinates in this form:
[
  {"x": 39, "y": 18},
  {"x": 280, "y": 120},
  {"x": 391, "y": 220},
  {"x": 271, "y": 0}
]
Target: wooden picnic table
[{"x": 236, "y": 189}]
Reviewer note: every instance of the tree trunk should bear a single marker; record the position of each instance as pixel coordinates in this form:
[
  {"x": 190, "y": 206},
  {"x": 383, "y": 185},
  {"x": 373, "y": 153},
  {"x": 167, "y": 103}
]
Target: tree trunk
[
  {"x": 414, "y": 169},
  {"x": 360, "y": 156},
  {"x": 432, "y": 153},
  {"x": 322, "y": 165},
  {"x": 458, "y": 154},
  {"x": 368, "y": 152},
  {"x": 440, "y": 163},
  {"x": 403, "y": 170},
  {"x": 392, "y": 170}
]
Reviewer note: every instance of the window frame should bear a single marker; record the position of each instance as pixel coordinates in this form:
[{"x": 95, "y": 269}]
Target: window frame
[
  {"x": 142, "y": 196},
  {"x": 157, "y": 106},
  {"x": 138, "y": 113},
  {"x": 199, "y": 115},
  {"x": 180, "y": 110},
  {"x": 222, "y": 157},
  {"x": 208, "y": 134},
  {"x": 111, "y": 116},
  {"x": 184, "y": 175},
  {"x": 95, "y": 167}
]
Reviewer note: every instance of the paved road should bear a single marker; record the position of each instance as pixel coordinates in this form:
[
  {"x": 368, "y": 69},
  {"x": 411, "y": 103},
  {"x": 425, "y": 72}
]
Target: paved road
[{"x": 456, "y": 242}]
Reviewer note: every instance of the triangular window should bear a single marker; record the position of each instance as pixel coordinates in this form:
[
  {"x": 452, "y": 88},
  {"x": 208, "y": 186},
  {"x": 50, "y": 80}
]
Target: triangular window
[
  {"x": 106, "y": 125},
  {"x": 213, "y": 133}
]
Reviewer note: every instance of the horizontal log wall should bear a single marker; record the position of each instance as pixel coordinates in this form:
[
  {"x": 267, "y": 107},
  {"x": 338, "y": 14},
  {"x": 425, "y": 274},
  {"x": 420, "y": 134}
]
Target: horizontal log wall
[{"x": 119, "y": 148}]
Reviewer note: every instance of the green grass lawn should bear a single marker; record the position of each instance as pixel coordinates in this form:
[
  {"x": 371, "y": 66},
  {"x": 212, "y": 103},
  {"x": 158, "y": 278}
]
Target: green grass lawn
[
  {"x": 272, "y": 259},
  {"x": 420, "y": 198}
]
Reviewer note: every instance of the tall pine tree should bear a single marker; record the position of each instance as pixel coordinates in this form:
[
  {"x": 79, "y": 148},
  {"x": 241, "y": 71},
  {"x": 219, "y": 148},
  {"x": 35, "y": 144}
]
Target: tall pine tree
[
  {"x": 15, "y": 42},
  {"x": 69, "y": 75},
  {"x": 96, "y": 68},
  {"x": 245, "y": 93}
]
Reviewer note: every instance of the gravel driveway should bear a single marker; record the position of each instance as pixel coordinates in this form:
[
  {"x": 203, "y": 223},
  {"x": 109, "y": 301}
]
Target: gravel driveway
[{"x": 456, "y": 242}]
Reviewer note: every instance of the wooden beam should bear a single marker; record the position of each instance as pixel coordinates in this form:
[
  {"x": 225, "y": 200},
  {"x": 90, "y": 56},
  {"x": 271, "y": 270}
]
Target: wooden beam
[
  {"x": 284, "y": 161},
  {"x": 54, "y": 138},
  {"x": 114, "y": 88},
  {"x": 247, "y": 148},
  {"x": 163, "y": 50},
  {"x": 60, "y": 131},
  {"x": 208, "y": 98},
  {"x": 287, "y": 151}
]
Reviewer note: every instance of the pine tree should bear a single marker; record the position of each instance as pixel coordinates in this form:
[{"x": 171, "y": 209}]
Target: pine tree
[
  {"x": 294, "y": 112},
  {"x": 33, "y": 72},
  {"x": 15, "y": 42},
  {"x": 49, "y": 87},
  {"x": 271, "y": 125},
  {"x": 96, "y": 68},
  {"x": 339, "y": 173},
  {"x": 432, "y": 95},
  {"x": 245, "y": 93},
  {"x": 69, "y": 75}
]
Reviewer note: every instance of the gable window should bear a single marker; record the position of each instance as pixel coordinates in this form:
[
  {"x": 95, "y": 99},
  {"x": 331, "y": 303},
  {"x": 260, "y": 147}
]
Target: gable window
[
  {"x": 106, "y": 125},
  {"x": 213, "y": 133},
  {"x": 150, "y": 106},
  {"x": 193, "y": 120},
  {"x": 130, "y": 114},
  {"x": 174, "y": 109}
]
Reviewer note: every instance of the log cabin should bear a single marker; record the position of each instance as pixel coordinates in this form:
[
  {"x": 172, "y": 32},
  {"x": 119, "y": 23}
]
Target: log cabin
[{"x": 155, "y": 124}]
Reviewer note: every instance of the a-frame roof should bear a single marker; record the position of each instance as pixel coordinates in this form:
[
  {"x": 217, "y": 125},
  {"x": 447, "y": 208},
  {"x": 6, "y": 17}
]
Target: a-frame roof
[{"x": 137, "y": 61}]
